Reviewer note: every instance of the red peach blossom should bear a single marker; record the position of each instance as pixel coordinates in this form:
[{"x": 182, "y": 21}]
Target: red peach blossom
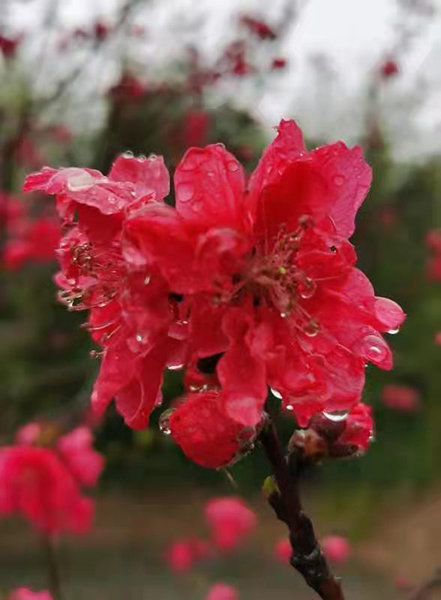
[
  {"x": 196, "y": 124},
  {"x": 433, "y": 239},
  {"x": 41, "y": 477},
  {"x": 230, "y": 520},
  {"x": 129, "y": 88},
  {"x": 336, "y": 548},
  {"x": 433, "y": 268},
  {"x": 220, "y": 591},
  {"x": 401, "y": 397},
  {"x": 85, "y": 463},
  {"x": 180, "y": 556},
  {"x": 258, "y": 27},
  {"x": 8, "y": 46},
  {"x": 389, "y": 69},
  {"x": 279, "y": 63},
  {"x": 101, "y": 31},
  {"x": 286, "y": 298},
  {"x": 258, "y": 278},
  {"x": 27, "y": 240},
  {"x": 131, "y": 327},
  {"x": 36, "y": 484},
  {"x": 283, "y": 551},
  {"x": 16, "y": 253},
  {"x": 183, "y": 554},
  {"x": 29, "y": 434},
  {"x": 26, "y": 594},
  {"x": 235, "y": 59}
]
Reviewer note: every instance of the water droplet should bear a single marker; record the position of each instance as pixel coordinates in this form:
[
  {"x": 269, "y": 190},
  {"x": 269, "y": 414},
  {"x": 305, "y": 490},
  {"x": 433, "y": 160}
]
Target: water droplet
[
  {"x": 139, "y": 338},
  {"x": 128, "y": 154},
  {"x": 289, "y": 407},
  {"x": 175, "y": 367},
  {"x": 312, "y": 556},
  {"x": 147, "y": 279},
  {"x": 81, "y": 181},
  {"x": 283, "y": 315},
  {"x": 198, "y": 388},
  {"x": 306, "y": 288},
  {"x": 185, "y": 192},
  {"x": 164, "y": 421},
  {"x": 393, "y": 331},
  {"x": 374, "y": 348},
  {"x": 153, "y": 157},
  {"x": 276, "y": 393},
  {"x": 336, "y": 415},
  {"x": 388, "y": 312},
  {"x": 181, "y": 322},
  {"x": 312, "y": 328},
  {"x": 339, "y": 180}
]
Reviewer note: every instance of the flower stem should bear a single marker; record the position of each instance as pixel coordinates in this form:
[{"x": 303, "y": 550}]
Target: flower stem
[
  {"x": 53, "y": 570},
  {"x": 307, "y": 557}
]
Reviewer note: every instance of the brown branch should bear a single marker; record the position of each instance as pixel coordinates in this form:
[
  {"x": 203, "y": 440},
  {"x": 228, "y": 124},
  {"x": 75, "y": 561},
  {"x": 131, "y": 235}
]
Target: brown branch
[
  {"x": 307, "y": 557},
  {"x": 423, "y": 592}
]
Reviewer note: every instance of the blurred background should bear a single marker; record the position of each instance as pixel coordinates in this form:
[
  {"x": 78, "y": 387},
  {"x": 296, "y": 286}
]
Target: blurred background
[{"x": 84, "y": 80}]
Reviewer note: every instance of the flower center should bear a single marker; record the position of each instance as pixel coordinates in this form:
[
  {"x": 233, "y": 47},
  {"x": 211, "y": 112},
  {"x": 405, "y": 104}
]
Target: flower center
[
  {"x": 97, "y": 281},
  {"x": 275, "y": 278}
]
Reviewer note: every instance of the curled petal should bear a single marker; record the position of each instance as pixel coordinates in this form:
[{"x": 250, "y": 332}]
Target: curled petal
[
  {"x": 83, "y": 186},
  {"x": 148, "y": 175},
  {"x": 133, "y": 381},
  {"x": 118, "y": 369},
  {"x": 389, "y": 313}
]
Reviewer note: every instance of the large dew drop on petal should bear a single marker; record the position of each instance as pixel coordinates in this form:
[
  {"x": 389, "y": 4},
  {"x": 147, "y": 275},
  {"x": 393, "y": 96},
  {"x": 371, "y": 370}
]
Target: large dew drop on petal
[
  {"x": 81, "y": 181},
  {"x": 374, "y": 349},
  {"x": 389, "y": 313}
]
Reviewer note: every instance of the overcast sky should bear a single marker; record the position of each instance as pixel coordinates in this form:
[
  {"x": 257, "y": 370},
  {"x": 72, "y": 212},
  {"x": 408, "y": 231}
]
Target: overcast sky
[{"x": 353, "y": 35}]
